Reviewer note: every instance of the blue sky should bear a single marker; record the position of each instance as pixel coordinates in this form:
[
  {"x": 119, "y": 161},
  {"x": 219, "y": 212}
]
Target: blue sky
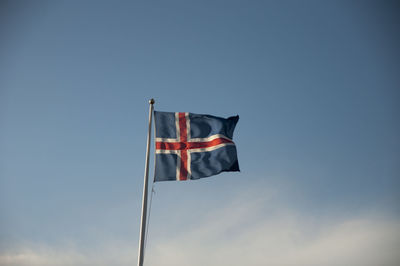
[{"x": 316, "y": 85}]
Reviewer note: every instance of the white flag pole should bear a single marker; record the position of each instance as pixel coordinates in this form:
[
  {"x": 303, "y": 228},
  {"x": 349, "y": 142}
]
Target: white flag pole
[{"x": 144, "y": 200}]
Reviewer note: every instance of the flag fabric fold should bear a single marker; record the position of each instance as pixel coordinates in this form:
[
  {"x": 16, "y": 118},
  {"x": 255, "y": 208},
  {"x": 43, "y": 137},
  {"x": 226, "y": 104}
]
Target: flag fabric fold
[{"x": 192, "y": 146}]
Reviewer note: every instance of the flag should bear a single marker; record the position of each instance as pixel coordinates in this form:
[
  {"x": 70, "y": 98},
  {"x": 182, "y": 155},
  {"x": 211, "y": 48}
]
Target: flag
[{"x": 193, "y": 146}]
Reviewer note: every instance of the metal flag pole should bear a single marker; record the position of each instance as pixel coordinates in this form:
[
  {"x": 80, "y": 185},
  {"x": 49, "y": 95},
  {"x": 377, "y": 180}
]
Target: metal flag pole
[{"x": 144, "y": 200}]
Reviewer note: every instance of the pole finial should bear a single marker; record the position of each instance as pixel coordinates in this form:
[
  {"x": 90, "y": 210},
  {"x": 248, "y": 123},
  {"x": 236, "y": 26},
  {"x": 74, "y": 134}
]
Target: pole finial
[{"x": 151, "y": 101}]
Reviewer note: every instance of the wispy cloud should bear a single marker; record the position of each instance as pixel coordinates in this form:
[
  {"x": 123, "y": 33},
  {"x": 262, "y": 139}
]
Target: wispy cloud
[
  {"x": 43, "y": 255},
  {"x": 240, "y": 234}
]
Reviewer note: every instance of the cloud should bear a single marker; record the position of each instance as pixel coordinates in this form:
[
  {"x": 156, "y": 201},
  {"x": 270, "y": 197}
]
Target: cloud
[
  {"x": 240, "y": 233},
  {"x": 42, "y": 255}
]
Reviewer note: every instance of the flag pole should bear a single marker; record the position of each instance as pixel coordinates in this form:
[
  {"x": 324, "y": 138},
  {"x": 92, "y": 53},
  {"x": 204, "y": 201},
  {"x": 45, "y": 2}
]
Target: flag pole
[{"x": 144, "y": 200}]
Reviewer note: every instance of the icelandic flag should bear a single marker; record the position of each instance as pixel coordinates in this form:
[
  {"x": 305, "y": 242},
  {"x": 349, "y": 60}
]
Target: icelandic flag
[{"x": 193, "y": 146}]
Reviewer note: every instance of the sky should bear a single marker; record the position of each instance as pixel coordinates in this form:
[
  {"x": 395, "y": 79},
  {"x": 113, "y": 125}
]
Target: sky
[{"x": 316, "y": 86}]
